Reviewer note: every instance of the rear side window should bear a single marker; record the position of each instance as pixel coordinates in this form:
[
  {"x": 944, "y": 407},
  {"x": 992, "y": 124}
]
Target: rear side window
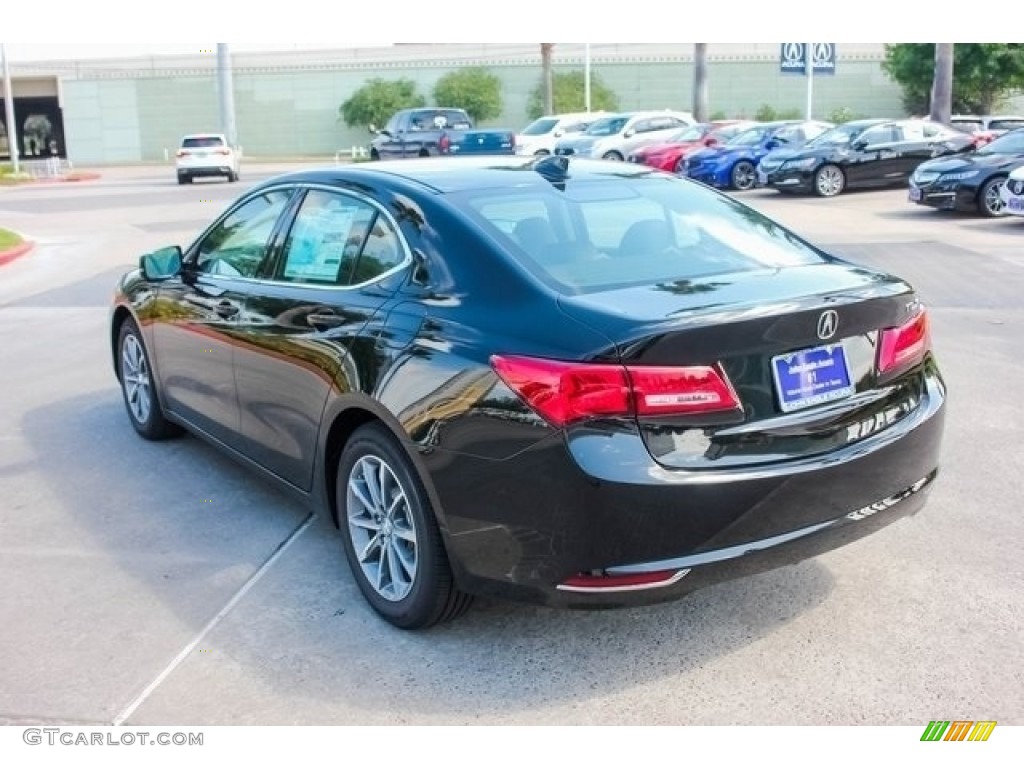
[
  {"x": 339, "y": 240},
  {"x": 202, "y": 142},
  {"x": 597, "y": 235}
]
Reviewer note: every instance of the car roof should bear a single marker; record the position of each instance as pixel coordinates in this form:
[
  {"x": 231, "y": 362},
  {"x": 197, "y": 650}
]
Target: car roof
[
  {"x": 203, "y": 136},
  {"x": 456, "y": 174}
]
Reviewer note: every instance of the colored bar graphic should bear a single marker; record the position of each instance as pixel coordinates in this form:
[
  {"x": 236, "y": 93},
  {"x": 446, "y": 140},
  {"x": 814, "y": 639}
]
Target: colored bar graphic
[
  {"x": 982, "y": 730},
  {"x": 958, "y": 730},
  {"x": 934, "y": 730}
]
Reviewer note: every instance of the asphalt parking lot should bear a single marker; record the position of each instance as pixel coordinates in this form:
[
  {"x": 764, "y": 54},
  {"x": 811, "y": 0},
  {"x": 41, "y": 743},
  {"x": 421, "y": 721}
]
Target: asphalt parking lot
[{"x": 161, "y": 583}]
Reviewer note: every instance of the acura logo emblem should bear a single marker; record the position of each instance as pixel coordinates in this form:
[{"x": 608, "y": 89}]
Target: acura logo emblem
[{"x": 827, "y": 324}]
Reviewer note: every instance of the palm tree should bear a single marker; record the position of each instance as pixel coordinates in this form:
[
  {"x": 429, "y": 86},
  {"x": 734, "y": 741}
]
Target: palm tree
[
  {"x": 942, "y": 84},
  {"x": 549, "y": 77},
  {"x": 700, "y": 82}
]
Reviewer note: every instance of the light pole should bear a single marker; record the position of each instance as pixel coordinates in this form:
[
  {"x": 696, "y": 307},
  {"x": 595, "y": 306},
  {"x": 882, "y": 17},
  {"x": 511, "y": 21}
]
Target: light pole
[{"x": 12, "y": 129}]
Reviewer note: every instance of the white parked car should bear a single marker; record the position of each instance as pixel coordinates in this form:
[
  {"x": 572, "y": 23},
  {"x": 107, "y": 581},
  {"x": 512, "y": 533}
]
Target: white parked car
[
  {"x": 1012, "y": 193},
  {"x": 206, "y": 154},
  {"x": 617, "y": 136},
  {"x": 540, "y": 136}
]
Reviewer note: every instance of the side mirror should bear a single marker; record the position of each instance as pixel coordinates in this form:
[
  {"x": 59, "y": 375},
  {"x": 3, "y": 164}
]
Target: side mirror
[
  {"x": 161, "y": 264},
  {"x": 859, "y": 146},
  {"x": 559, "y": 132},
  {"x": 711, "y": 141},
  {"x": 629, "y": 132},
  {"x": 772, "y": 144}
]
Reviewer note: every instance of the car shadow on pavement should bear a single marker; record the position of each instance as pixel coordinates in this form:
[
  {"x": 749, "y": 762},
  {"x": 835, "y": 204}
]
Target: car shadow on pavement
[{"x": 185, "y": 526}]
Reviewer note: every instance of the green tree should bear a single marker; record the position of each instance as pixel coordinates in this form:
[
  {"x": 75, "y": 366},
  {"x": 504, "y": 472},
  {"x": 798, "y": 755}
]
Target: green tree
[
  {"x": 376, "y": 101},
  {"x": 474, "y": 89},
  {"x": 569, "y": 95},
  {"x": 984, "y": 74}
]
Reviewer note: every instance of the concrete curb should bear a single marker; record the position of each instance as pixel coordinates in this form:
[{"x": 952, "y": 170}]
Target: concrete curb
[{"x": 9, "y": 255}]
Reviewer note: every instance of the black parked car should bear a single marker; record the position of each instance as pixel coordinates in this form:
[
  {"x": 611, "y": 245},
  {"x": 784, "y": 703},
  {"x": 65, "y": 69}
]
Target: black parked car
[
  {"x": 861, "y": 153},
  {"x": 970, "y": 182},
  {"x": 575, "y": 382}
]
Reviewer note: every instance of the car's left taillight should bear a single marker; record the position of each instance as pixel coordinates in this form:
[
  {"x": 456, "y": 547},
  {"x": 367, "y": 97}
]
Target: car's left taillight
[
  {"x": 565, "y": 392},
  {"x": 905, "y": 345}
]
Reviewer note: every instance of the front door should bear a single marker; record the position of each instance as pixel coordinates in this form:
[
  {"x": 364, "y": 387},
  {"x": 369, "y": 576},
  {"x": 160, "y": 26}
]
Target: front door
[{"x": 198, "y": 313}]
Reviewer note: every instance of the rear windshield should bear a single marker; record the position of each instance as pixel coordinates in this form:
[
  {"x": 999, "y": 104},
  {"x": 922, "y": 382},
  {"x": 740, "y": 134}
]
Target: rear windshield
[
  {"x": 438, "y": 119},
  {"x": 1005, "y": 125},
  {"x": 597, "y": 235},
  {"x": 540, "y": 127},
  {"x": 197, "y": 142}
]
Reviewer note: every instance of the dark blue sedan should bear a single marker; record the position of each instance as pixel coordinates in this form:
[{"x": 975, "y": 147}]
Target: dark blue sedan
[
  {"x": 733, "y": 165},
  {"x": 574, "y": 382}
]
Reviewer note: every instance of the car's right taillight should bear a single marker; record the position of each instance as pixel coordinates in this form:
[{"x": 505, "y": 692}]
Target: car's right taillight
[
  {"x": 444, "y": 143},
  {"x": 566, "y": 392},
  {"x": 905, "y": 345}
]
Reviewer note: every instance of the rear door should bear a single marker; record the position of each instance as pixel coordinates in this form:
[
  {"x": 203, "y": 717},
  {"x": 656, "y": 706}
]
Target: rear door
[
  {"x": 305, "y": 331},
  {"x": 877, "y": 160}
]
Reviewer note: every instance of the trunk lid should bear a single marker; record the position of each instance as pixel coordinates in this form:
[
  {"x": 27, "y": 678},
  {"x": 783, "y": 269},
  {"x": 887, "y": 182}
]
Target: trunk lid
[{"x": 799, "y": 345}]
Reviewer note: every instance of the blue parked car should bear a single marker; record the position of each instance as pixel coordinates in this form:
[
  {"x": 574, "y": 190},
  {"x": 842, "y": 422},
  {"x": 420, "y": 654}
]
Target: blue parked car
[{"x": 733, "y": 165}]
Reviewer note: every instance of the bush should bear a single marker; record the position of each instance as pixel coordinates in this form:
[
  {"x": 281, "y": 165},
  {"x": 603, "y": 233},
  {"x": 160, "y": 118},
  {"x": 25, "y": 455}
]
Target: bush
[
  {"x": 790, "y": 114},
  {"x": 719, "y": 115},
  {"x": 378, "y": 100},
  {"x": 765, "y": 113},
  {"x": 570, "y": 95},
  {"x": 841, "y": 115},
  {"x": 474, "y": 89}
]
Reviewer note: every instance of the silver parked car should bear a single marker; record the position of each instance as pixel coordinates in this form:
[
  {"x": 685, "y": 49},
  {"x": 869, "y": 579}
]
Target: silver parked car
[{"x": 617, "y": 136}]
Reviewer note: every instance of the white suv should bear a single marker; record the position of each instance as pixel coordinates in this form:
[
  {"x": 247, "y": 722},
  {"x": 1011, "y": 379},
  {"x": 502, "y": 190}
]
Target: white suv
[
  {"x": 539, "y": 137},
  {"x": 206, "y": 154}
]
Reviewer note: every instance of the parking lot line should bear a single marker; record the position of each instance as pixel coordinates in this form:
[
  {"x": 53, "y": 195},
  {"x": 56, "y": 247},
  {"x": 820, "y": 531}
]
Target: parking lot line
[{"x": 228, "y": 606}]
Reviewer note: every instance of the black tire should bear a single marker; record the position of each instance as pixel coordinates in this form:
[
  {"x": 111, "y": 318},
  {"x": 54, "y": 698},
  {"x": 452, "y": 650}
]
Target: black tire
[
  {"x": 541, "y": 153},
  {"x": 424, "y": 153},
  {"x": 829, "y": 181},
  {"x": 613, "y": 155},
  {"x": 374, "y": 155},
  {"x": 429, "y": 596},
  {"x": 681, "y": 166},
  {"x": 990, "y": 204},
  {"x": 743, "y": 176},
  {"x": 232, "y": 177},
  {"x": 184, "y": 179},
  {"x": 132, "y": 347}
]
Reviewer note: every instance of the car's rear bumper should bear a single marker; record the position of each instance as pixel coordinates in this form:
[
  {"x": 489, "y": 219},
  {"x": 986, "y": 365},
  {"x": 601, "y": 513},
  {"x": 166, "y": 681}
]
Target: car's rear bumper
[
  {"x": 594, "y": 502},
  {"x": 205, "y": 170}
]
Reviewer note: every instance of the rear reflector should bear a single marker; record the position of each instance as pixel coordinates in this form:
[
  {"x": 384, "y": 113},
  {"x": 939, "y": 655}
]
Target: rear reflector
[
  {"x": 585, "y": 582},
  {"x": 563, "y": 392},
  {"x": 905, "y": 345}
]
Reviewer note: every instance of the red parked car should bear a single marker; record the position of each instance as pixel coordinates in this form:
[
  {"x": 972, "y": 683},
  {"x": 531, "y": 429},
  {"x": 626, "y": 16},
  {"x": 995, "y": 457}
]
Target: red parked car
[{"x": 668, "y": 155}]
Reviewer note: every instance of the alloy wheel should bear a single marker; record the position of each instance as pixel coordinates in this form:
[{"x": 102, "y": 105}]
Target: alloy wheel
[
  {"x": 382, "y": 528},
  {"x": 829, "y": 181},
  {"x": 135, "y": 379}
]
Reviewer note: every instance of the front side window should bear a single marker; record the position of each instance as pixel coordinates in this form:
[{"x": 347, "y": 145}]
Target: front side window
[{"x": 238, "y": 244}]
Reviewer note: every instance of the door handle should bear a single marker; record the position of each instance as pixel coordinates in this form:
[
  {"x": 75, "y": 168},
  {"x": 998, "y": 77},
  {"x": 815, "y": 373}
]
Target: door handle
[
  {"x": 324, "y": 320},
  {"x": 226, "y": 309}
]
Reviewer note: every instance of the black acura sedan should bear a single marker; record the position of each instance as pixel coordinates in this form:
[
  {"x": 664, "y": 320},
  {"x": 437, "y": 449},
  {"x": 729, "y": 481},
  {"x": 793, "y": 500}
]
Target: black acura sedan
[
  {"x": 969, "y": 182},
  {"x": 860, "y": 154},
  {"x": 571, "y": 382}
]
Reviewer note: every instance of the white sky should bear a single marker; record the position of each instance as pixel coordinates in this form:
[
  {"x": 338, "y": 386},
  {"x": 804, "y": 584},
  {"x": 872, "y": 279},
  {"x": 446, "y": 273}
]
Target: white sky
[
  {"x": 77, "y": 30},
  {"x": 24, "y": 52}
]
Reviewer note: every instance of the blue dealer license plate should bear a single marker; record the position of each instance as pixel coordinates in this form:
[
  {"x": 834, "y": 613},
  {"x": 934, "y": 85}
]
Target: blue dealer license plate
[{"x": 811, "y": 377}]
